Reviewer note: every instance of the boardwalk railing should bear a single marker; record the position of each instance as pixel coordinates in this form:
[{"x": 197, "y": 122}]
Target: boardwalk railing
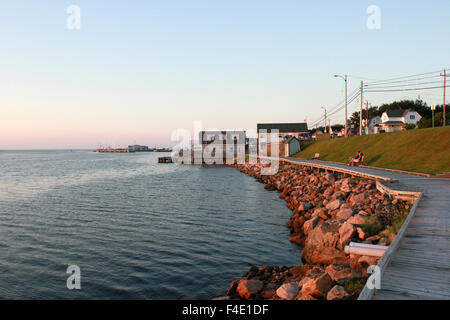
[
  {"x": 326, "y": 167},
  {"x": 367, "y": 293}
]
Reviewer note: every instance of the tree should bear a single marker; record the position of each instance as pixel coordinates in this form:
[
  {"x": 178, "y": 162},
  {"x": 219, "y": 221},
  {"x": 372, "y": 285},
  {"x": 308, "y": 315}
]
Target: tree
[
  {"x": 427, "y": 122},
  {"x": 354, "y": 119},
  {"x": 312, "y": 131},
  {"x": 417, "y": 105},
  {"x": 424, "y": 123},
  {"x": 374, "y": 112},
  {"x": 337, "y": 127}
]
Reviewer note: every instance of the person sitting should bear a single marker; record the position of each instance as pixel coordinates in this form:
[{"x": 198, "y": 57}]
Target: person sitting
[{"x": 356, "y": 160}]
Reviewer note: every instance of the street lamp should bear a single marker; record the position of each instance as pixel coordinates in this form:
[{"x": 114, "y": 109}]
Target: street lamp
[
  {"x": 345, "y": 79},
  {"x": 433, "y": 107}
]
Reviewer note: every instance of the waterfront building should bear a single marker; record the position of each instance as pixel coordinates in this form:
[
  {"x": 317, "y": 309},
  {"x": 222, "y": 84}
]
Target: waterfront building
[
  {"x": 285, "y": 131},
  {"x": 218, "y": 146},
  {"x": 290, "y": 147},
  {"x": 138, "y": 148}
]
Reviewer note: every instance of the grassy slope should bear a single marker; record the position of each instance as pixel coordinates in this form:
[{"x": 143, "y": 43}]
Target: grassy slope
[{"x": 420, "y": 150}]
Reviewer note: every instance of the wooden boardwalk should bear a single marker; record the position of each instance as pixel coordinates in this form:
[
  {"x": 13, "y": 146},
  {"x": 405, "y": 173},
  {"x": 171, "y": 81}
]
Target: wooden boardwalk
[{"x": 420, "y": 269}]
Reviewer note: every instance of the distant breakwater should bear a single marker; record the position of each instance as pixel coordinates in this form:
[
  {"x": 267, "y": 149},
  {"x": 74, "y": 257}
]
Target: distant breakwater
[{"x": 329, "y": 210}]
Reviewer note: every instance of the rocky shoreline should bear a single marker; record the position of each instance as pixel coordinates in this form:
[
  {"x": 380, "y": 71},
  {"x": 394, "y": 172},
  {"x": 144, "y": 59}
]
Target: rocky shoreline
[{"x": 328, "y": 211}]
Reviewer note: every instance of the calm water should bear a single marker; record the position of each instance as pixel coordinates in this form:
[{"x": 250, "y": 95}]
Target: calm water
[{"x": 137, "y": 229}]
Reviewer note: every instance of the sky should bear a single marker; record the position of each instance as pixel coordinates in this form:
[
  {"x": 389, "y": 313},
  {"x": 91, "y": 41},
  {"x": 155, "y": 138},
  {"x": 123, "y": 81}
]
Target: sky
[{"x": 136, "y": 70}]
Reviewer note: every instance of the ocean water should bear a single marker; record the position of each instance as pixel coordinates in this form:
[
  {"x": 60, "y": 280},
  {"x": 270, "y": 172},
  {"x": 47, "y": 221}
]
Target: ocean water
[{"x": 137, "y": 229}]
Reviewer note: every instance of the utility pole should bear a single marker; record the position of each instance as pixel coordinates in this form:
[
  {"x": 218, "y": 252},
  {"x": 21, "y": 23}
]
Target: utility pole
[
  {"x": 346, "y": 130},
  {"x": 433, "y": 107},
  {"x": 367, "y": 116},
  {"x": 360, "y": 110},
  {"x": 445, "y": 78},
  {"x": 325, "y": 123},
  {"x": 325, "y": 120}
]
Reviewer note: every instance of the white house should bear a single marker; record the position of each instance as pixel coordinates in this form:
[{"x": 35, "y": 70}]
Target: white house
[
  {"x": 374, "y": 124},
  {"x": 395, "y": 120},
  {"x": 374, "y": 121}
]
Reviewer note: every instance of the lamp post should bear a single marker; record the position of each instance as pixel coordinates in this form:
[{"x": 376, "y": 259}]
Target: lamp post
[
  {"x": 345, "y": 79},
  {"x": 433, "y": 107}
]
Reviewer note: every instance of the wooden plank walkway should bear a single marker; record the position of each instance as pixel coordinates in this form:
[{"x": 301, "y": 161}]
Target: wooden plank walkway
[{"x": 420, "y": 269}]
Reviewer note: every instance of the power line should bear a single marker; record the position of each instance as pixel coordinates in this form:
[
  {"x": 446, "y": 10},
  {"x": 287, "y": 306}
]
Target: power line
[
  {"x": 343, "y": 101},
  {"x": 404, "y": 85},
  {"x": 406, "y": 77},
  {"x": 381, "y": 83},
  {"x": 410, "y": 89},
  {"x": 397, "y": 84},
  {"x": 353, "y": 97}
]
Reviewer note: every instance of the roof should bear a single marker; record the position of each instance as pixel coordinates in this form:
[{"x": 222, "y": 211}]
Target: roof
[
  {"x": 397, "y": 113},
  {"x": 290, "y": 139},
  {"x": 209, "y": 136},
  {"x": 283, "y": 127},
  {"x": 393, "y": 123}
]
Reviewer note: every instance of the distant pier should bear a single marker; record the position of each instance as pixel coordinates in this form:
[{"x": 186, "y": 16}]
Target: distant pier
[
  {"x": 111, "y": 150},
  {"x": 132, "y": 149},
  {"x": 165, "y": 160}
]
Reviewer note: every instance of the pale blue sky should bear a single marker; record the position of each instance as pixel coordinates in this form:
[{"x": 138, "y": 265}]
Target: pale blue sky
[{"x": 137, "y": 70}]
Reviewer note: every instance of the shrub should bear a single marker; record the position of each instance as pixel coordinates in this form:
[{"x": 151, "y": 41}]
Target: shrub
[
  {"x": 398, "y": 220},
  {"x": 355, "y": 285},
  {"x": 372, "y": 226},
  {"x": 424, "y": 123}
]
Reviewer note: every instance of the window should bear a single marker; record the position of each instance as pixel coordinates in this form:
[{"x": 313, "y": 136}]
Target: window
[{"x": 412, "y": 117}]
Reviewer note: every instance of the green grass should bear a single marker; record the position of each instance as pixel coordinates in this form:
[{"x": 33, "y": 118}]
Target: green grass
[
  {"x": 419, "y": 150},
  {"x": 355, "y": 285},
  {"x": 372, "y": 226},
  {"x": 397, "y": 222}
]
